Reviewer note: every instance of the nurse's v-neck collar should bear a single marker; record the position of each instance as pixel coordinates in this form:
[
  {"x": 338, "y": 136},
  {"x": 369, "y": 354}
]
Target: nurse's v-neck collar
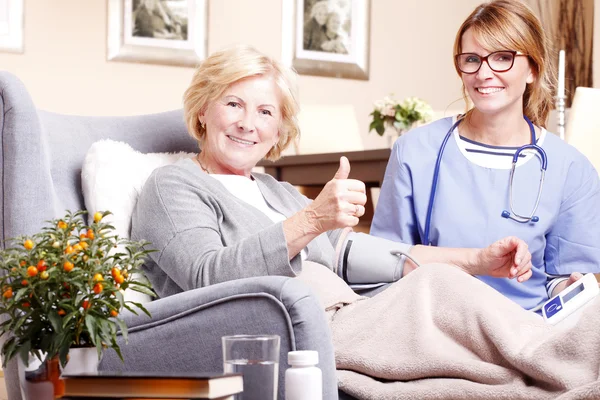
[{"x": 494, "y": 157}]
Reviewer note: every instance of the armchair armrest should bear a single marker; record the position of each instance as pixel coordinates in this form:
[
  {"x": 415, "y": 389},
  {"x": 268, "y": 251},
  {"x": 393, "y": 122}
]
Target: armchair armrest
[{"x": 184, "y": 333}]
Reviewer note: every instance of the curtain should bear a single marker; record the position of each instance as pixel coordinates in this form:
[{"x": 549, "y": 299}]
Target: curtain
[{"x": 569, "y": 25}]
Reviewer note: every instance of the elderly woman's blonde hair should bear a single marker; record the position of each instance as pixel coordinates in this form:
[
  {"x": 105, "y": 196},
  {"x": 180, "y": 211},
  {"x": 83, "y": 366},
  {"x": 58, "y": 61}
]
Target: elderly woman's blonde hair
[
  {"x": 224, "y": 68},
  {"x": 511, "y": 25}
]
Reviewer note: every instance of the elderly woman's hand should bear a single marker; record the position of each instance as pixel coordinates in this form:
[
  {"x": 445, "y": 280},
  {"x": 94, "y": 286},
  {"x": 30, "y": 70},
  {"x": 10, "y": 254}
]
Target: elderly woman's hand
[{"x": 340, "y": 203}]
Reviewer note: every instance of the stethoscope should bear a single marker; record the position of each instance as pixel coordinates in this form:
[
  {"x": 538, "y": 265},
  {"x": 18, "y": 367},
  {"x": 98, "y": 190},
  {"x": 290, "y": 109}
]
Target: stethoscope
[{"x": 505, "y": 213}]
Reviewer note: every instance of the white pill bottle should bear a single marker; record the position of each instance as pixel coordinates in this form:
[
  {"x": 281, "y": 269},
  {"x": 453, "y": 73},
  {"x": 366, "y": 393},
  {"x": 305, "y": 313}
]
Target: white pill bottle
[{"x": 303, "y": 380}]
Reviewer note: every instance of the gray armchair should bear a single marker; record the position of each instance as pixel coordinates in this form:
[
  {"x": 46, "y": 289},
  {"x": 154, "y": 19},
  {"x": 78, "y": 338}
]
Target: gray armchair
[{"x": 41, "y": 155}]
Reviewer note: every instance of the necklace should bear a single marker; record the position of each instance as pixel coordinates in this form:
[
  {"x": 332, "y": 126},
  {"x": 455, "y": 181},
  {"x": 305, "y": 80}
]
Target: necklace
[{"x": 202, "y": 166}]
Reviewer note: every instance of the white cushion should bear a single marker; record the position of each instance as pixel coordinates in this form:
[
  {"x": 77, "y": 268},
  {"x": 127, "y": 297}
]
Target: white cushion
[{"x": 113, "y": 176}]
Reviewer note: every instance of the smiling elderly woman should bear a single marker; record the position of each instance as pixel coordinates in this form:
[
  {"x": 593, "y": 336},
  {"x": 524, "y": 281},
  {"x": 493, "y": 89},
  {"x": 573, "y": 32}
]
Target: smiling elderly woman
[{"x": 212, "y": 220}]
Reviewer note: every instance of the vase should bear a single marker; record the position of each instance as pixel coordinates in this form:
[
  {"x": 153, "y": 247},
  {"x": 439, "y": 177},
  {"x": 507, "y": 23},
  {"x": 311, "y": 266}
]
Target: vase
[
  {"x": 40, "y": 380},
  {"x": 392, "y": 134}
]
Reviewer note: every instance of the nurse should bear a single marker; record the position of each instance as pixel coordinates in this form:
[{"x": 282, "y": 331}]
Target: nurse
[{"x": 502, "y": 57}]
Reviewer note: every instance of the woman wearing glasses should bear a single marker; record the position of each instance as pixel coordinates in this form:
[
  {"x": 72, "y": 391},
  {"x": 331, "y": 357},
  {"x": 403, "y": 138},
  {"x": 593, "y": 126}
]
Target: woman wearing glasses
[{"x": 468, "y": 180}]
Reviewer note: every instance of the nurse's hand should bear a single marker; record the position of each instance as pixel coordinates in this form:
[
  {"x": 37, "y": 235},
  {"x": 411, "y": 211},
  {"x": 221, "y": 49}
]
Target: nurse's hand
[{"x": 506, "y": 258}]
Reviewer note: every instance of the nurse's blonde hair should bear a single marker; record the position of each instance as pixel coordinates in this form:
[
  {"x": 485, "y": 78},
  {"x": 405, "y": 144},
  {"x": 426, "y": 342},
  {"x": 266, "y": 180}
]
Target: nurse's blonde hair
[
  {"x": 511, "y": 25},
  {"x": 224, "y": 68}
]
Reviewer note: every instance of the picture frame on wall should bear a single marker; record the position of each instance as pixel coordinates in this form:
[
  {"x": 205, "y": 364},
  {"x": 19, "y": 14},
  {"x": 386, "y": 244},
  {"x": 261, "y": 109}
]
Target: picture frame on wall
[
  {"x": 327, "y": 37},
  {"x": 168, "y": 32},
  {"x": 11, "y": 26}
]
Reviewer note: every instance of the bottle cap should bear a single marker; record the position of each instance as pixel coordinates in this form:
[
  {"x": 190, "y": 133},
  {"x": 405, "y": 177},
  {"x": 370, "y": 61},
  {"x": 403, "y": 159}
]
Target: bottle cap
[{"x": 303, "y": 358}]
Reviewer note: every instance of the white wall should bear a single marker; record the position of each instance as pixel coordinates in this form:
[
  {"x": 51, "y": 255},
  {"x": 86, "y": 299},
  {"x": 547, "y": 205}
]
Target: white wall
[
  {"x": 596, "y": 59},
  {"x": 65, "y": 69}
]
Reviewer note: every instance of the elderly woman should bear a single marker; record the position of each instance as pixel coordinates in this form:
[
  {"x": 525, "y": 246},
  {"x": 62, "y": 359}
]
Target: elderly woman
[{"x": 212, "y": 220}]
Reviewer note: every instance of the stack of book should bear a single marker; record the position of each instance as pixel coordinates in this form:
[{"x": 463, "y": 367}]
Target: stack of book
[{"x": 138, "y": 386}]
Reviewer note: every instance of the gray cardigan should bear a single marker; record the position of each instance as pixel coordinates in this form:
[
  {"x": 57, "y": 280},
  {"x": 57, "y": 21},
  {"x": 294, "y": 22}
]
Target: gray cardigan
[{"x": 204, "y": 235}]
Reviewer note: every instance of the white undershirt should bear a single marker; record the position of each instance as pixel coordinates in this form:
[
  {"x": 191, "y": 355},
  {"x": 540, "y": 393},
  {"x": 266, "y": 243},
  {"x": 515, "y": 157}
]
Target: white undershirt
[
  {"x": 497, "y": 157},
  {"x": 247, "y": 190}
]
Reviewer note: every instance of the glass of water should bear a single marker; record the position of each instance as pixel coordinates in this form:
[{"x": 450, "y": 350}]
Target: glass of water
[{"x": 256, "y": 357}]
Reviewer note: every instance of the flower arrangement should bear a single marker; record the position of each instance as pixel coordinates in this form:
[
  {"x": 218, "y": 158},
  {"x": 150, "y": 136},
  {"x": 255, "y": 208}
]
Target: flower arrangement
[
  {"x": 401, "y": 115},
  {"x": 63, "y": 287}
]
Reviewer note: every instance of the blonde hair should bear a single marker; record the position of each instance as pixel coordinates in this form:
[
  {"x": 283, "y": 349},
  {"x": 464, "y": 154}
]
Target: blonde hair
[
  {"x": 511, "y": 25},
  {"x": 224, "y": 68}
]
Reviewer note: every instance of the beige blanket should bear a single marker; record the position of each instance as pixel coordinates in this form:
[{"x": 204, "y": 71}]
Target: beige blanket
[{"x": 441, "y": 334}]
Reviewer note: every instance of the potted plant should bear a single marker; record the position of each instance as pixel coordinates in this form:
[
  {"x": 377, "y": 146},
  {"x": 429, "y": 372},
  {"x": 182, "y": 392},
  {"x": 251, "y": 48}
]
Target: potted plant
[
  {"x": 63, "y": 288},
  {"x": 402, "y": 116}
]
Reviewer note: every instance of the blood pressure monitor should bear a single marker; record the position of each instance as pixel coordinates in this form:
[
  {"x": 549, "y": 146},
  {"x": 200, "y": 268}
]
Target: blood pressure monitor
[{"x": 570, "y": 299}]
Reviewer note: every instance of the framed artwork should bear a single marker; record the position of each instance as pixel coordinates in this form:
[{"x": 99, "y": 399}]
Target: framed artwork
[
  {"x": 170, "y": 32},
  {"x": 327, "y": 37},
  {"x": 11, "y": 26}
]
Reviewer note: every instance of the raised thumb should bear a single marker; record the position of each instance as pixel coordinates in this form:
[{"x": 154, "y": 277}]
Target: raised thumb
[{"x": 344, "y": 169}]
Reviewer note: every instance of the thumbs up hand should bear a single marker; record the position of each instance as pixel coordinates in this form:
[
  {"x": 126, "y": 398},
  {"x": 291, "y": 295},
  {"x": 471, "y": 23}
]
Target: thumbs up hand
[
  {"x": 340, "y": 203},
  {"x": 344, "y": 169}
]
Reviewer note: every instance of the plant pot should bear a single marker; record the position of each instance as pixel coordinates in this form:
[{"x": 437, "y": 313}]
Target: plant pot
[
  {"x": 40, "y": 380},
  {"x": 82, "y": 360}
]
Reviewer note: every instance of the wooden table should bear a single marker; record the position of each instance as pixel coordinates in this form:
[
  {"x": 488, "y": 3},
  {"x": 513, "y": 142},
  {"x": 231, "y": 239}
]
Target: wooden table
[{"x": 313, "y": 171}]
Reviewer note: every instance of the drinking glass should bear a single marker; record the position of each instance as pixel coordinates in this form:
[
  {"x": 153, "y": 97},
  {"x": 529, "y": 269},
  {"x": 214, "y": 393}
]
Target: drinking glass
[{"x": 256, "y": 357}]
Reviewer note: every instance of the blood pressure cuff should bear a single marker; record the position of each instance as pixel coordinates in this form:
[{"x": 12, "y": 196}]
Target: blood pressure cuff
[{"x": 367, "y": 259}]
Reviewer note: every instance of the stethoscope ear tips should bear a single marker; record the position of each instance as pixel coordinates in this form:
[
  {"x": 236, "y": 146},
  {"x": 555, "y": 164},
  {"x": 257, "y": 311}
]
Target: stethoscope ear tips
[{"x": 506, "y": 214}]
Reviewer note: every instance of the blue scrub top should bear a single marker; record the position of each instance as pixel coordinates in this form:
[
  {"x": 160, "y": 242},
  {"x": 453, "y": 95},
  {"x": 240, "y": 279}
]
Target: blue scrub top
[{"x": 470, "y": 199}]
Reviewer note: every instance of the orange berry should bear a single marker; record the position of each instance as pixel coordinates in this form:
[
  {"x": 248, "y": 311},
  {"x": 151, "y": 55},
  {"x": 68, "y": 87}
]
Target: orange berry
[
  {"x": 28, "y": 244},
  {"x": 83, "y": 245},
  {"x": 98, "y": 288},
  {"x": 61, "y": 225},
  {"x": 7, "y": 293},
  {"x": 119, "y": 279},
  {"x": 98, "y": 278},
  {"x": 24, "y": 282},
  {"x": 69, "y": 250},
  {"x": 68, "y": 266},
  {"x": 13, "y": 269},
  {"x": 90, "y": 234},
  {"x": 23, "y": 263},
  {"x": 77, "y": 248},
  {"x": 32, "y": 271},
  {"x": 44, "y": 275},
  {"x": 85, "y": 304},
  {"x": 61, "y": 312},
  {"x": 42, "y": 266},
  {"x": 82, "y": 235},
  {"x": 115, "y": 272},
  {"x": 97, "y": 217},
  {"x": 113, "y": 313}
]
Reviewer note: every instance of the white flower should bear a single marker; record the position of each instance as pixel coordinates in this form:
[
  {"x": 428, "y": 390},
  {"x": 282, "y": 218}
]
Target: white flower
[{"x": 379, "y": 104}]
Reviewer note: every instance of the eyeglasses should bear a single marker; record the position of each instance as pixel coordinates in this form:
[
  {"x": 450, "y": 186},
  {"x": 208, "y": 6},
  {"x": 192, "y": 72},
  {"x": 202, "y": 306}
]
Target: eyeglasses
[{"x": 498, "y": 61}]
